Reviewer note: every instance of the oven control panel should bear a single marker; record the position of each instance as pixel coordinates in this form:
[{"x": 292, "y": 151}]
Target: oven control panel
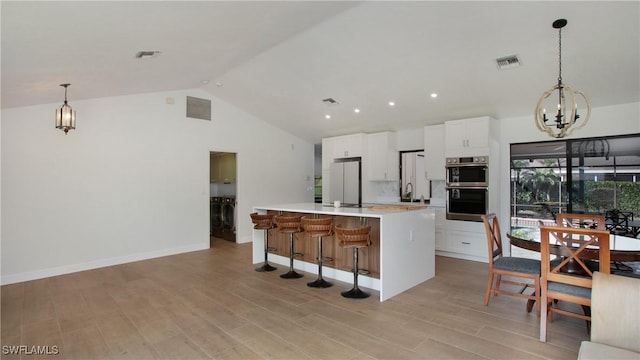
[{"x": 479, "y": 160}]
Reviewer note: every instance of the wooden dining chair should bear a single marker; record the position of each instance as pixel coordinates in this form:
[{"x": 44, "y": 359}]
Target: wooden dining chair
[
  {"x": 556, "y": 283},
  {"x": 499, "y": 265},
  {"x": 593, "y": 221}
]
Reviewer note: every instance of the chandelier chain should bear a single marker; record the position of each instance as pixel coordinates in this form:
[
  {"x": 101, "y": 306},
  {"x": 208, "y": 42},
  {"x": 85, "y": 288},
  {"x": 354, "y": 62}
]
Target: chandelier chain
[{"x": 560, "y": 55}]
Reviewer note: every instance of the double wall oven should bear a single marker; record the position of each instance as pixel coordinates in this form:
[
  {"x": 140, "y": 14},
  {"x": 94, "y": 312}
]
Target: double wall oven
[{"x": 467, "y": 186}]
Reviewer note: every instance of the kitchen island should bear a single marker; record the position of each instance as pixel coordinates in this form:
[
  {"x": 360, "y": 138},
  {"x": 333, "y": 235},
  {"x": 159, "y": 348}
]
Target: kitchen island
[{"x": 401, "y": 256}]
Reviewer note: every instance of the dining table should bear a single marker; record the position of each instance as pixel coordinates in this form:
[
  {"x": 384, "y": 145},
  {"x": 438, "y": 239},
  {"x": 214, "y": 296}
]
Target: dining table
[{"x": 622, "y": 248}]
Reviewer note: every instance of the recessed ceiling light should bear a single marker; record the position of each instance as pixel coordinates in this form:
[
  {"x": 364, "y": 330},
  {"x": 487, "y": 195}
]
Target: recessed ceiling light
[
  {"x": 356, "y": 110},
  {"x": 327, "y": 116},
  {"x": 391, "y": 103},
  {"x": 434, "y": 95}
]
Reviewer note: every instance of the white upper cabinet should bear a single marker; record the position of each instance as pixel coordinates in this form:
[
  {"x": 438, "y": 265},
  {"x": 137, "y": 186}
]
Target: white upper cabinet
[
  {"x": 348, "y": 146},
  {"x": 382, "y": 157},
  {"x": 468, "y": 137},
  {"x": 434, "y": 152}
]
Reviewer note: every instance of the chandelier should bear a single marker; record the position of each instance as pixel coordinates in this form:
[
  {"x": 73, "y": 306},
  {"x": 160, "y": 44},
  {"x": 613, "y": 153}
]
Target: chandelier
[
  {"x": 65, "y": 115},
  {"x": 564, "y": 121},
  {"x": 594, "y": 148}
]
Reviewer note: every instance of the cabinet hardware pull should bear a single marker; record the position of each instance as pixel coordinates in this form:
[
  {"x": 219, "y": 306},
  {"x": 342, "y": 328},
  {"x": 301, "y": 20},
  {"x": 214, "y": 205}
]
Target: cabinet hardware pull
[{"x": 466, "y": 243}]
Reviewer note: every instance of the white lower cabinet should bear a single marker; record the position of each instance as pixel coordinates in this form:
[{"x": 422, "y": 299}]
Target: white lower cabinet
[
  {"x": 464, "y": 240},
  {"x": 466, "y": 243}
]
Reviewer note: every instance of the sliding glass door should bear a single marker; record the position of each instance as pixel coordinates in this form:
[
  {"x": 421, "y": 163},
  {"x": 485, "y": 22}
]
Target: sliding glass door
[
  {"x": 604, "y": 175},
  {"x": 594, "y": 175}
]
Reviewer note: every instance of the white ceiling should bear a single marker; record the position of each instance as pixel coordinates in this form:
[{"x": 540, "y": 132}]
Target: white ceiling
[{"x": 278, "y": 60}]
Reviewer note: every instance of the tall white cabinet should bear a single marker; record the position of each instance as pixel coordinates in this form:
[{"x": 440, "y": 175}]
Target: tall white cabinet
[{"x": 464, "y": 138}]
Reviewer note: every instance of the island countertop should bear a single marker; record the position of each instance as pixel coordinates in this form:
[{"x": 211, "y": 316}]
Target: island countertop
[
  {"x": 403, "y": 244},
  {"x": 367, "y": 210}
]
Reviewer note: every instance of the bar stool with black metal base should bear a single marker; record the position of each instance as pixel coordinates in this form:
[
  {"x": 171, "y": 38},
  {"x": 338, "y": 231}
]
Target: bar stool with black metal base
[
  {"x": 264, "y": 222},
  {"x": 318, "y": 227},
  {"x": 355, "y": 238},
  {"x": 289, "y": 225}
]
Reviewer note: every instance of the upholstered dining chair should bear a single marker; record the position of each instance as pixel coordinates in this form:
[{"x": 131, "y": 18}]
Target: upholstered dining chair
[
  {"x": 556, "y": 283},
  {"x": 528, "y": 270},
  {"x": 593, "y": 221}
]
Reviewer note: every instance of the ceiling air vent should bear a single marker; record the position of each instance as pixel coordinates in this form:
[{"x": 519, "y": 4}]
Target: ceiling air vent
[
  {"x": 508, "y": 62},
  {"x": 329, "y": 101},
  {"x": 147, "y": 54}
]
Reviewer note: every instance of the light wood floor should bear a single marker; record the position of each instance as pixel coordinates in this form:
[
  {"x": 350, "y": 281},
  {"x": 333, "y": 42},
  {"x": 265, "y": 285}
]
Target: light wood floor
[{"x": 211, "y": 304}]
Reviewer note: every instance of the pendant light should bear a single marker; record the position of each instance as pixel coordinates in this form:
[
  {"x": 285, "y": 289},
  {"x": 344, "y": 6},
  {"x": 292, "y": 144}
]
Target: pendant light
[
  {"x": 65, "y": 115},
  {"x": 565, "y": 121}
]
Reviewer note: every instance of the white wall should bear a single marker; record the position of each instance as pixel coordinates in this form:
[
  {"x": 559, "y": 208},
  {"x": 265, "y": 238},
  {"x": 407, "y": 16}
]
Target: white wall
[{"x": 132, "y": 181}]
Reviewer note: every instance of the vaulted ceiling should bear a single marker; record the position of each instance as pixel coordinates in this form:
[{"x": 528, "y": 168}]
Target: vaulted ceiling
[{"x": 279, "y": 60}]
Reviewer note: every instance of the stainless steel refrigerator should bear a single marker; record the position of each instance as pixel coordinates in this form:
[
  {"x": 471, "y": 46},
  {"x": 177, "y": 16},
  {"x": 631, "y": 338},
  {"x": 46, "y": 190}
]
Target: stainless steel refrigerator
[{"x": 345, "y": 183}]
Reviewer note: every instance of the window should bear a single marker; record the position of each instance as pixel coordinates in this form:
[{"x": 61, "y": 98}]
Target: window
[{"x": 593, "y": 175}]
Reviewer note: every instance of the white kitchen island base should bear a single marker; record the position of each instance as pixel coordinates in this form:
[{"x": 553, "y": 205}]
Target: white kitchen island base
[{"x": 406, "y": 246}]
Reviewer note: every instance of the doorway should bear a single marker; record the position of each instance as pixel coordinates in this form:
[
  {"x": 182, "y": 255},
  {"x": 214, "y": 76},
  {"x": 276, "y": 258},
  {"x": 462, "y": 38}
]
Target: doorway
[{"x": 222, "y": 196}]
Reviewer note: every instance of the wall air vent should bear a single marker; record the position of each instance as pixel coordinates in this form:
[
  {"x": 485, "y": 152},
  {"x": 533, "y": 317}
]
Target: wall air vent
[
  {"x": 198, "y": 108},
  {"x": 508, "y": 62}
]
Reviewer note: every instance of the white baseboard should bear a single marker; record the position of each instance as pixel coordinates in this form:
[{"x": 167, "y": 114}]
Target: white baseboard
[{"x": 67, "y": 269}]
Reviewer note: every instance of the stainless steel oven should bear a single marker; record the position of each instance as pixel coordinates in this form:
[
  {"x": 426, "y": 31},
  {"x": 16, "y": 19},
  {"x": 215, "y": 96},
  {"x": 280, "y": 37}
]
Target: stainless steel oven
[
  {"x": 467, "y": 171},
  {"x": 467, "y": 187},
  {"x": 467, "y": 203}
]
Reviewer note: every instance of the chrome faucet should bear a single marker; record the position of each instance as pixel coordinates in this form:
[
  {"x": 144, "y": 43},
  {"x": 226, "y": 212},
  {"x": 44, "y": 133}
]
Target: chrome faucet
[{"x": 410, "y": 193}]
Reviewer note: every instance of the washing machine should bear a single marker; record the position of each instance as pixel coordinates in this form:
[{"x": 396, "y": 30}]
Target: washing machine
[
  {"x": 229, "y": 218},
  {"x": 215, "y": 212}
]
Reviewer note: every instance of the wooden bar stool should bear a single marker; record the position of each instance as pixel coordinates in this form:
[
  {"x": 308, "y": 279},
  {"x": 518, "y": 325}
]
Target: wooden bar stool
[
  {"x": 264, "y": 222},
  {"x": 289, "y": 225},
  {"x": 355, "y": 238},
  {"x": 318, "y": 227}
]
